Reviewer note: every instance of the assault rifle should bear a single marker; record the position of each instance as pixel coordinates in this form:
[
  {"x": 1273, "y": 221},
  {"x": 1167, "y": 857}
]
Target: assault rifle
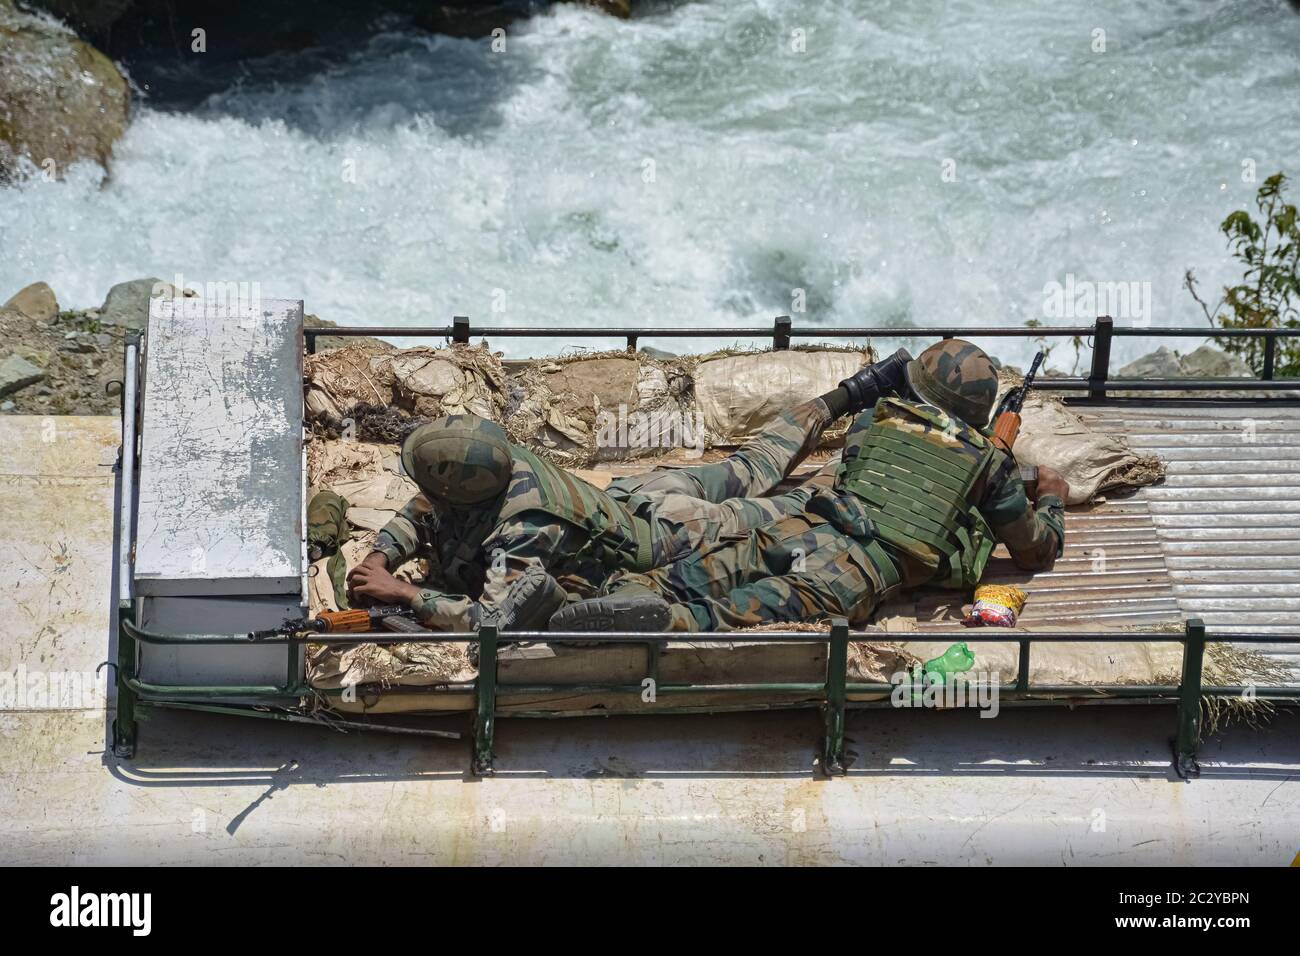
[
  {"x": 1007, "y": 424},
  {"x": 356, "y": 621},
  {"x": 1006, "y": 427}
]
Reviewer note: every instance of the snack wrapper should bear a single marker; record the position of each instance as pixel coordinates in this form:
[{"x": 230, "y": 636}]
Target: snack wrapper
[{"x": 996, "y": 605}]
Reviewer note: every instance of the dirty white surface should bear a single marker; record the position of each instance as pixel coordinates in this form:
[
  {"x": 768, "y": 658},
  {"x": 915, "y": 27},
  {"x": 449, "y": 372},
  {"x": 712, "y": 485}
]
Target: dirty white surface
[
  {"x": 1049, "y": 787},
  {"x": 220, "y": 460},
  {"x": 1090, "y": 786}
]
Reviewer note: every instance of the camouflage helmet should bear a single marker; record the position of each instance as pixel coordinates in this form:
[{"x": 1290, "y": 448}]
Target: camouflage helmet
[
  {"x": 458, "y": 459},
  {"x": 958, "y": 377}
]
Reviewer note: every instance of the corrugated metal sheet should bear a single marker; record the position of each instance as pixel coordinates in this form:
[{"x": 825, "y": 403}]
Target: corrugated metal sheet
[{"x": 1226, "y": 516}]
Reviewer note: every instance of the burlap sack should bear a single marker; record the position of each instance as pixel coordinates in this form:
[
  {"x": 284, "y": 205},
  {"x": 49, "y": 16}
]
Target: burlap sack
[
  {"x": 607, "y": 407},
  {"x": 426, "y": 382},
  {"x": 739, "y": 394},
  {"x": 1091, "y": 461}
]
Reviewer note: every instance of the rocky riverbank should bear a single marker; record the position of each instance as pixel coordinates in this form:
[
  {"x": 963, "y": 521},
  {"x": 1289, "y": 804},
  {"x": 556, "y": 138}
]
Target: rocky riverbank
[
  {"x": 59, "y": 362},
  {"x": 56, "y": 362}
]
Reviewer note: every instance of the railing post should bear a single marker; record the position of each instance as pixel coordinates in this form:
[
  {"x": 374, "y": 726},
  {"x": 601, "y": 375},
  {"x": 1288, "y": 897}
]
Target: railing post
[
  {"x": 460, "y": 329},
  {"x": 1189, "y": 701},
  {"x": 837, "y": 676},
  {"x": 1022, "y": 669},
  {"x": 781, "y": 333},
  {"x": 1270, "y": 356},
  {"x": 631, "y": 343},
  {"x": 124, "y": 725},
  {"x": 486, "y": 691},
  {"x": 309, "y": 339},
  {"x": 1101, "y": 336}
]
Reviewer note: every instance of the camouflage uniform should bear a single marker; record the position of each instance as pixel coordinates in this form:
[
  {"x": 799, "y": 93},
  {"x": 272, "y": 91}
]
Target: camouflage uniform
[
  {"x": 477, "y": 553},
  {"x": 918, "y": 498}
]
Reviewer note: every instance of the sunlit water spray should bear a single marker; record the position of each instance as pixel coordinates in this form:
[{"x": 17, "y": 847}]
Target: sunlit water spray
[{"x": 708, "y": 164}]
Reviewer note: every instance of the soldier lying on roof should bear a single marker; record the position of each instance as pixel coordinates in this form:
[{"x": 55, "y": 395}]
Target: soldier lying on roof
[
  {"x": 920, "y": 497},
  {"x": 511, "y": 537}
]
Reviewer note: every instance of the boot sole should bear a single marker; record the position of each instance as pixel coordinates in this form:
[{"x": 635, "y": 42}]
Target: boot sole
[{"x": 603, "y": 615}]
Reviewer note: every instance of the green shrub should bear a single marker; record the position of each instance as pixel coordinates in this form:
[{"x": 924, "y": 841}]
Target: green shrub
[{"x": 1268, "y": 297}]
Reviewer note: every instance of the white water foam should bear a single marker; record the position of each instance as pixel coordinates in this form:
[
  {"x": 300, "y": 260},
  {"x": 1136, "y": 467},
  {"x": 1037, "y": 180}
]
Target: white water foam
[{"x": 690, "y": 168}]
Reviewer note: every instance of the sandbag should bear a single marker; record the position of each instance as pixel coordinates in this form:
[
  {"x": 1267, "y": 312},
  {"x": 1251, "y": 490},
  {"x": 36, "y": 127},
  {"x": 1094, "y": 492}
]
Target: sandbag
[
  {"x": 415, "y": 665},
  {"x": 578, "y": 410},
  {"x": 738, "y": 394},
  {"x": 1081, "y": 662},
  {"x": 1091, "y": 461},
  {"x": 424, "y": 382}
]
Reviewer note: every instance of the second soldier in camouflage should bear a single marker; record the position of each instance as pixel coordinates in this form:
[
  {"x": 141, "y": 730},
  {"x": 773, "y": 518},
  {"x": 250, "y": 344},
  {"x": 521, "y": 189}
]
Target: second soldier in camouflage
[{"x": 921, "y": 496}]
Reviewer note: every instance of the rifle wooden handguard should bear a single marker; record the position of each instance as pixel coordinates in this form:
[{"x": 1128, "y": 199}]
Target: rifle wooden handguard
[
  {"x": 1005, "y": 430},
  {"x": 352, "y": 622}
]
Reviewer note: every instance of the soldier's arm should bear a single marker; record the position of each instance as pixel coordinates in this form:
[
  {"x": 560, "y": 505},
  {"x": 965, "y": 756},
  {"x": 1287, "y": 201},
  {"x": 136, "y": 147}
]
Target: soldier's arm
[
  {"x": 1035, "y": 536},
  {"x": 401, "y": 539},
  {"x": 509, "y": 554}
]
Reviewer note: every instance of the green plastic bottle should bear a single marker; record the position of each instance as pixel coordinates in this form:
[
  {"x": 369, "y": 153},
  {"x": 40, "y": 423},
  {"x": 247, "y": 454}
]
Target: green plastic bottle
[
  {"x": 955, "y": 660},
  {"x": 938, "y": 670}
]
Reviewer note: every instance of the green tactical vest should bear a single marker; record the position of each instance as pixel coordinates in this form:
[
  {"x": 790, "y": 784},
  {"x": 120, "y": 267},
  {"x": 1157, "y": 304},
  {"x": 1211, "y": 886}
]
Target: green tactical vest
[
  {"x": 915, "y": 469},
  {"x": 619, "y": 538}
]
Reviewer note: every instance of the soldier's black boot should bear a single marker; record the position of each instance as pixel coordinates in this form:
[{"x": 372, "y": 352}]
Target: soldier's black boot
[
  {"x": 630, "y": 608},
  {"x": 886, "y": 377}
]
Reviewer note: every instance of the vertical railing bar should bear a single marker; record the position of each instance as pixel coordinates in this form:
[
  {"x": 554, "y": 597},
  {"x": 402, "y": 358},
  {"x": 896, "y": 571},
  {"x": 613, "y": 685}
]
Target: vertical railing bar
[
  {"x": 485, "y": 688},
  {"x": 1101, "y": 340},
  {"x": 1022, "y": 670},
  {"x": 126, "y": 507},
  {"x": 781, "y": 333},
  {"x": 460, "y": 329},
  {"x": 1189, "y": 700},
  {"x": 1270, "y": 356},
  {"x": 837, "y": 678},
  {"x": 124, "y": 728}
]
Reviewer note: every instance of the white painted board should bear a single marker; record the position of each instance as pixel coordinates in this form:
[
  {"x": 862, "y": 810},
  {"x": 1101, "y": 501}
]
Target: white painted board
[{"x": 221, "y": 478}]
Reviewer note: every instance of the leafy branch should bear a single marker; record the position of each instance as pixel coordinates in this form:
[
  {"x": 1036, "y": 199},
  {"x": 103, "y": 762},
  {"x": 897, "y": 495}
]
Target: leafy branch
[{"x": 1268, "y": 297}]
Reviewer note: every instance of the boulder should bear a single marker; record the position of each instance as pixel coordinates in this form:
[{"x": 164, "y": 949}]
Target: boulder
[
  {"x": 88, "y": 16},
  {"x": 61, "y": 100},
  {"x": 1162, "y": 363},
  {"x": 661, "y": 355},
  {"x": 17, "y": 373},
  {"x": 1209, "y": 362},
  {"x": 1205, "y": 362},
  {"x": 127, "y": 303},
  {"x": 36, "y": 301}
]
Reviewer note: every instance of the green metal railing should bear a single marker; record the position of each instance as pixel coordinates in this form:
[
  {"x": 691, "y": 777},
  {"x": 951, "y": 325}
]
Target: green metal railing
[
  {"x": 831, "y": 694},
  {"x": 288, "y": 701}
]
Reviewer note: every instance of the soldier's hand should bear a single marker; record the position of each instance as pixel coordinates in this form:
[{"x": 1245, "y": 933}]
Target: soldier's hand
[
  {"x": 1050, "y": 482},
  {"x": 379, "y": 587}
]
